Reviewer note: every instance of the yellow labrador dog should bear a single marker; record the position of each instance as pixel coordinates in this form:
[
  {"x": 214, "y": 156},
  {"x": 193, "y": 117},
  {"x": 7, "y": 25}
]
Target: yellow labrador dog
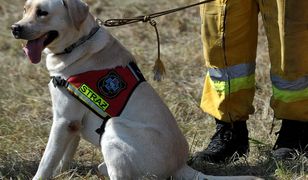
[{"x": 143, "y": 139}]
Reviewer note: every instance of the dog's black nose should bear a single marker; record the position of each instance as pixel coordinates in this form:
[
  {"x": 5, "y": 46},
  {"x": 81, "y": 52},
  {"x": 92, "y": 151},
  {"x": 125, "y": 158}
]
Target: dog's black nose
[{"x": 16, "y": 30}]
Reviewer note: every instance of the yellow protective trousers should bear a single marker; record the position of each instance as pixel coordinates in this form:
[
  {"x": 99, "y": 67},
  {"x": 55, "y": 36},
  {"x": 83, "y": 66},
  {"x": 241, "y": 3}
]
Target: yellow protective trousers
[{"x": 229, "y": 35}]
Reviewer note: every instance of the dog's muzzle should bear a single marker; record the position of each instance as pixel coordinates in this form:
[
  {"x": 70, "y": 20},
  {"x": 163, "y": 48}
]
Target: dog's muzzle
[{"x": 16, "y": 30}]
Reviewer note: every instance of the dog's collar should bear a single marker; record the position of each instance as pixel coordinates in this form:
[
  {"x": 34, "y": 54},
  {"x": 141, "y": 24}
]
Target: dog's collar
[{"x": 80, "y": 41}]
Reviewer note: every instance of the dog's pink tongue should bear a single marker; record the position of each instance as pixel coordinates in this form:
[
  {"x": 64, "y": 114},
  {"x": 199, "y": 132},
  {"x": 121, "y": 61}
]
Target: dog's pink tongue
[{"x": 34, "y": 49}]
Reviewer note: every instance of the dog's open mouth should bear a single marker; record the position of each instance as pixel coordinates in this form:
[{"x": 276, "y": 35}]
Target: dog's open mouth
[{"x": 34, "y": 48}]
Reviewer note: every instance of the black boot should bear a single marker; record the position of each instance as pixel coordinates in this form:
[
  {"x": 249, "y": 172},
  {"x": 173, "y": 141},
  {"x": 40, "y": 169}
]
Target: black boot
[
  {"x": 293, "y": 136},
  {"x": 227, "y": 140}
]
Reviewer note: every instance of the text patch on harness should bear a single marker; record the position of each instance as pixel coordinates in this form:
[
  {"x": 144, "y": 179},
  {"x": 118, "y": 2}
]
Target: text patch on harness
[{"x": 92, "y": 96}]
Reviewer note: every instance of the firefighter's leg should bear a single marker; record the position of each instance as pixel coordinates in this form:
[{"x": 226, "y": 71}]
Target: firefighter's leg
[
  {"x": 286, "y": 24},
  {"x": 229, "y": 35}
]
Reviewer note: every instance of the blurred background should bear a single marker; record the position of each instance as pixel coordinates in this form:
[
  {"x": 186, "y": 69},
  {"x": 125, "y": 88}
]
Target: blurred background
[{"x": 25, "y": 106}]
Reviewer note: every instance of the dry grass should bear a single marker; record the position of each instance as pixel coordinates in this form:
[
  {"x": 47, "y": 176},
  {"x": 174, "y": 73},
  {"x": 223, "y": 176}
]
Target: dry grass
[{"x": 25, "y": 112}]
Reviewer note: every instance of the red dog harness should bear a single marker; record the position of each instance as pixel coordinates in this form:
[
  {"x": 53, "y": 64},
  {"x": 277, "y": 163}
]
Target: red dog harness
[{"x": 104, "y": 92}]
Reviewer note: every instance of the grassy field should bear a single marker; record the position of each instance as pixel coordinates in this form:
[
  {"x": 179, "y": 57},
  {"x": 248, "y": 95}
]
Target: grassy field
[{"x": 25, "y": 107}]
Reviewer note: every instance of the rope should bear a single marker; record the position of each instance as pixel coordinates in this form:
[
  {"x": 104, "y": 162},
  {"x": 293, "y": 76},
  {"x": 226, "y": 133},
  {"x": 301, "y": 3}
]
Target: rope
[{"x": 159, "y": 69}]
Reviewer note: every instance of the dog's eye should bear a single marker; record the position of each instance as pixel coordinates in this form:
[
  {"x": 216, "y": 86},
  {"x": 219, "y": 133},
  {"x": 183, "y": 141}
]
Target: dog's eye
[{"x": 40, "y": 13}]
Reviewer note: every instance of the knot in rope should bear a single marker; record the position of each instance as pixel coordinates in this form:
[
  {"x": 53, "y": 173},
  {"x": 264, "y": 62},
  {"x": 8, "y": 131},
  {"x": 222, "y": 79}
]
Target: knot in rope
[{"x": 146, "y": 18}]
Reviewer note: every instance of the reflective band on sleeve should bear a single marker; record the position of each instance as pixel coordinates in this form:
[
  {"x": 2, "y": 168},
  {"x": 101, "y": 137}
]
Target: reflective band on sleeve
[
  {"x": 290, "y": 96},
  {"x": 236, "y": 71},
  {"x": 298, "y": 84}
]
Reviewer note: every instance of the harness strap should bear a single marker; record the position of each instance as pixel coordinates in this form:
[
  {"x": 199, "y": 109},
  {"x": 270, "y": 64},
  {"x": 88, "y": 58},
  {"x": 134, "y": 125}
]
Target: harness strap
[{"x": 58, "y": 81}]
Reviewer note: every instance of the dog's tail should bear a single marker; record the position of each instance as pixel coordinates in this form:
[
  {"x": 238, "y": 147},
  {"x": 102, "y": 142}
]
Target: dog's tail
[{"x": 187, "y": 173}]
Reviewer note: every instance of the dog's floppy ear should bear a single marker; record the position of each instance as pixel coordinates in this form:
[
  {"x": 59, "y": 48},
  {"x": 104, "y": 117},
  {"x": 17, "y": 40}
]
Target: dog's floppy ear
[{"x": 77, "y": 10}]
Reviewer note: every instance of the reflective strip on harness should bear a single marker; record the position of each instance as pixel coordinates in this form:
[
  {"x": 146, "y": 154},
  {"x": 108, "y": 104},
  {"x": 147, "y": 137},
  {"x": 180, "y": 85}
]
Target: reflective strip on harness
[{"x": 98, "y": 107}]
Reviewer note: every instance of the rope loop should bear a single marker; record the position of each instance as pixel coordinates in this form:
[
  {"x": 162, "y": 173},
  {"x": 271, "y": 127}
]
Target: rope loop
[{"x": 152, "y": 22}]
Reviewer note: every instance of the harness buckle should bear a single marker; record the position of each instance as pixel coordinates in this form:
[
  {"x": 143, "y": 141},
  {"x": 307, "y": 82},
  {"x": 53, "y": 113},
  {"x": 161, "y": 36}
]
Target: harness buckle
[{"x": 58, "y": 81}]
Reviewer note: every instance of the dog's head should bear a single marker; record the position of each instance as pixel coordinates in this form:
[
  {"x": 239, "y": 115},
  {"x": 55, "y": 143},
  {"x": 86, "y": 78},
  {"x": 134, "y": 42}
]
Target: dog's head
[{"x": 46, "y": 22}]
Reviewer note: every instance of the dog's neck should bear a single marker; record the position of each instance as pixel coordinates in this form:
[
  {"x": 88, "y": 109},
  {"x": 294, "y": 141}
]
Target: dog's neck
[
  {"x": 78, "y": 43},
  {"x": 99, "y": 52},
  {"x": 73, "y": 35}
]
